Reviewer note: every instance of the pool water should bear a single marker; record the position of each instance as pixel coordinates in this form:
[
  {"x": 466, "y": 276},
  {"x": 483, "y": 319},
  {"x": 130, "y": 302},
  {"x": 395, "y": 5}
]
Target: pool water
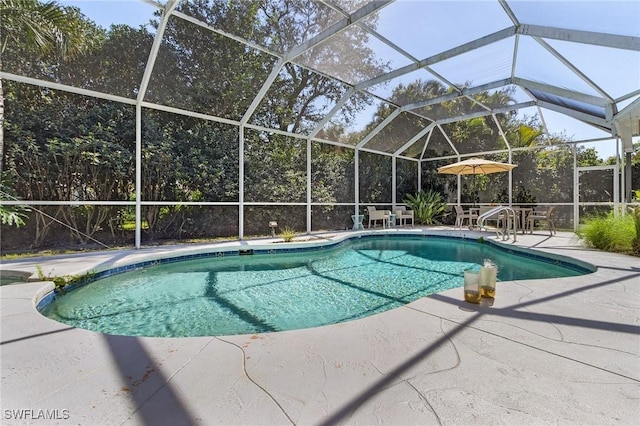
[
  {"x": 8, "y": 278},
  {"x": 262, "y": 293}
]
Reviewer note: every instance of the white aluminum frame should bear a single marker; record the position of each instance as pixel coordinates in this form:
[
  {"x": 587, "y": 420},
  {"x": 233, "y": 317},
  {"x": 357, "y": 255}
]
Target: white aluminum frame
[{"x": 620, "y": 122}]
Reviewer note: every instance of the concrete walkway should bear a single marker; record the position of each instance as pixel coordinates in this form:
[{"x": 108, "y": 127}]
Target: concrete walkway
[{"x": 563, "y": 351}]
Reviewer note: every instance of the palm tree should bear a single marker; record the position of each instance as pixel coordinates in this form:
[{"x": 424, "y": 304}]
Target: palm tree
[{"x": 42, "y": 28}]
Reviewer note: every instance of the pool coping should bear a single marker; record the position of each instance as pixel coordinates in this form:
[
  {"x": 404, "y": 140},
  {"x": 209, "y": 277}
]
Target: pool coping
[{"x": 547, "y": 351}]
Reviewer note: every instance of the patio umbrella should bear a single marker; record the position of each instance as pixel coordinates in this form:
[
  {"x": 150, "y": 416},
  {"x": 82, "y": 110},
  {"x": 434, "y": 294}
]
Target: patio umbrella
[{"x": 475, "y": 166}]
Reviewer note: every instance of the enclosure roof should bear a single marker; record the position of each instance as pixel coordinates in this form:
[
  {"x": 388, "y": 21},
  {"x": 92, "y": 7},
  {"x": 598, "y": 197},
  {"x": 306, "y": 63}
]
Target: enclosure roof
[{"x": 580, "y": 59}]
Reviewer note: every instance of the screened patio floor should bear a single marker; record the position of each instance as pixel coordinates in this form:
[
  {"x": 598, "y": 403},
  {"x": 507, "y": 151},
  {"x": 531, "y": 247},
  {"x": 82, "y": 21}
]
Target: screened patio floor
[{"x": 562, "y": 351}]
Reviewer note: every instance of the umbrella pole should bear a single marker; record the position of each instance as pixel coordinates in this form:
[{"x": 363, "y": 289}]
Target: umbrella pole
[{"x": 474, "y": 188}]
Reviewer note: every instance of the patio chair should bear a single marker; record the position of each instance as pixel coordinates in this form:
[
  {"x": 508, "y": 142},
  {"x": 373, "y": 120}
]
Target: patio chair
[
  {"x": 375, "y": 215},
  {"x": 403, "y": 214},
  {"x": 461, "y": 215},
  {"x": 542, "y": 216}
]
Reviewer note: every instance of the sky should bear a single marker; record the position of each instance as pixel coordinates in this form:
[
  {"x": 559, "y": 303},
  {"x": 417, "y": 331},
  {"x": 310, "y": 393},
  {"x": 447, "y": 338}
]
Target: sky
[{"x": 412, "y": 25}]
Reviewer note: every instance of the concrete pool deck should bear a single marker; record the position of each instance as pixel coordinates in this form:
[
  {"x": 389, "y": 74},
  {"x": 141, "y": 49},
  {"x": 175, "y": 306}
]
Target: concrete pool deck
[{"x": 563, "y": 351}]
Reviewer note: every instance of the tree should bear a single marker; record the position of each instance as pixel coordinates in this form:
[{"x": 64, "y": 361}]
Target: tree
[
  {"x": 473, "y": 135},
  {"x": 219, "y": 76},
  {"x": 40, "y": 28},
  {"x": 301, "y": 97},
  {"x": 68, "y": 147}
]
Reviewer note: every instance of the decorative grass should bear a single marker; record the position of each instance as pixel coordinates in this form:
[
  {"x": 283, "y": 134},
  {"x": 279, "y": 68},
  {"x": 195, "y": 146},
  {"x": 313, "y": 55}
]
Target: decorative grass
[
  {"x": 610, "y": 232},
  {"x": 288, "y": 235}
]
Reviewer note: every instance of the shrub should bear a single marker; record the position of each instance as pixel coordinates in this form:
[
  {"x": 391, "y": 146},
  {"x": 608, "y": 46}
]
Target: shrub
[
  {"x": 612, "y": 233},
  {"x": 288, "y": 234},
  {"x": 61, "y": 281},
  {"x": 635, "y": 243},
  {"x": 426, "y": 206}
]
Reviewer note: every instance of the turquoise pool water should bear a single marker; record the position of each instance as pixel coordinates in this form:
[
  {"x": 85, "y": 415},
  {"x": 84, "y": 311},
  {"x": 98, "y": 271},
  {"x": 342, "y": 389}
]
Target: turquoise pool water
[
  {"x": 9, "y": 280},
  {"x": 6, "y": 277},
  {"x": 262, "y": 293}
]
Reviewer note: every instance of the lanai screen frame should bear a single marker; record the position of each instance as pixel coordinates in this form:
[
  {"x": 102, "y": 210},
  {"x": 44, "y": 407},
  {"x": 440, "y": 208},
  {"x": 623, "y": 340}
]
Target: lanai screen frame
[{"x": 608, "y": 118}]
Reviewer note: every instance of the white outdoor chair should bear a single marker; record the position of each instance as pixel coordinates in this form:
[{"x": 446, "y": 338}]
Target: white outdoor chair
[
  {"x": 375, "y": 215},
  {"x": 403, "y": 214}
]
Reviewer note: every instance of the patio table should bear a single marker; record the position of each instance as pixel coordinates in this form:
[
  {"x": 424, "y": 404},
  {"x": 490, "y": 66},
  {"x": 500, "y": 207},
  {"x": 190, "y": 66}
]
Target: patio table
[
  {"x": 522, "y": 213},
  {"x": 357, "y": 221}
]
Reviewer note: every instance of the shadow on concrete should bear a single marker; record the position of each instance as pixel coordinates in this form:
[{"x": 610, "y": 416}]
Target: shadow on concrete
[
  {"x": 31, "y": 336},
  {"x": 154, "y": 399},
  {"x": 391, "y": 377},
  {"x": 342, "y": 414},
  {"x": 513, "y": 312}
]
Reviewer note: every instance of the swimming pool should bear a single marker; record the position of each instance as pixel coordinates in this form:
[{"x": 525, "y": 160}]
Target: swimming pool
[
  {"x": 13, "y": 277},
  {"x": 262, "y": 293}
]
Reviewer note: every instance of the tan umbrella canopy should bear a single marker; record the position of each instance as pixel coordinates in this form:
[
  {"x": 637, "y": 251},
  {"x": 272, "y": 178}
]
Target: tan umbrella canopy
[{"x": 475, "y": 166}]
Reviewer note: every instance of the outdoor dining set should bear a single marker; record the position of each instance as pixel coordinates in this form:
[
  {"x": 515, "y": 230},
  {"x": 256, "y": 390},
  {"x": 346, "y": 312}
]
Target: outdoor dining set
[
  {"x": 388, "y": 218},
  {"x": 525, "y": 218},
  {"x": 484, "y": 217},
  {"x": 502, "y": 219}
]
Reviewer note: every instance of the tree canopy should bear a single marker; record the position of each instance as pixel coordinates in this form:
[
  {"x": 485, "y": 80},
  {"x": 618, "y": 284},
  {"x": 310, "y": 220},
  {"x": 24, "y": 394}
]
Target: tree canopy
[{"x": 69, "y": 147}]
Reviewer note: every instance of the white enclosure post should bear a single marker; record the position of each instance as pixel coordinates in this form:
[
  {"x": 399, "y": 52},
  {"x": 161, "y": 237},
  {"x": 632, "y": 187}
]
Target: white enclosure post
[
  {"x": 309, "y": 178},
  {"x": 241, "y": 184},
  {"x": 510, "y": 179},
  {"x": 576, "y": 195},
  {"x": 356, "y": 181},
  {"x": 393, "y": 181},
  {"x": 138, "y": 241}
]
